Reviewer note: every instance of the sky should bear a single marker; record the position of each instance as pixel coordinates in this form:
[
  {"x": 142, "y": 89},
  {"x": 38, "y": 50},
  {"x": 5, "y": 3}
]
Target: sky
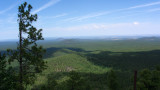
[{"x": 71, "y": 18}]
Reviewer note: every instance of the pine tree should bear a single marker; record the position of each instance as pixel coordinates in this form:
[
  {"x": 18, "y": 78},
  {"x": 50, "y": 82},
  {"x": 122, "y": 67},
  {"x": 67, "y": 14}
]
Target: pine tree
[
  {"x": 28, "y": 54},
  {"x": 75, "y": 82},
  {"x": 149, "y": 80},
  {"x": 2, "y": 70},
  {"x": 7, "y": 75},
  {"x": 112, "y": 81}
]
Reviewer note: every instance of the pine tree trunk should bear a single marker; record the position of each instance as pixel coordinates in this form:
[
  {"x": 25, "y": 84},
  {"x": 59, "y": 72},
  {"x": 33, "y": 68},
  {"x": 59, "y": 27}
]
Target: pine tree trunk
[
  {"x": 135, "y": 79},
  {"x": 20, "y": 59}
]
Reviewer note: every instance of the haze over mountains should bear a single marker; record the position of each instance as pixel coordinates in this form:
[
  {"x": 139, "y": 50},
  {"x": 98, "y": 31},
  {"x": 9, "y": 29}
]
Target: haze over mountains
[
  {"x": 85, "y": 41},
  {"x": 94, "y": 37}
]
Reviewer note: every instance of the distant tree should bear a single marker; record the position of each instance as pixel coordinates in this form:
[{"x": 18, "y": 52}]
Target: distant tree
[
  {"x": 112, "y": 81},
  {"x": 158, "y": 68},
  {"x": 2, "y": 71},
  {"x": 52, "y": 83},
  {"x": 149, "y": 80},
  {"x": 2, "y": 66},
  {"x": 76, "y": 82},
  {"x": 28, "y": 53},
  {"x": 7, "y": 75}
]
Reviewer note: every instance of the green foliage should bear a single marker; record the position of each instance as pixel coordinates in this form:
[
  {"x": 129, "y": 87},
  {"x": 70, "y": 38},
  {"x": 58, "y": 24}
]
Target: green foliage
[
  {"x": 106, "y": 45},
  {"x": 60, "y": 66},
  {"x": 2, "y": 65},
  {"x": 127, "y": 61},
  {"x": 2, "y": 71},
  {"x": 32, "y": 53},
  {"x": 75, "y": 82},
  {"x": 149, "y": 80},
  {"x": 52, "y": 83},
  {"x": 8, "y": 78},
  {"x": 112, "y": 81},
  {"x": 95, "y": 74},
  {"x": 28, "y": 54}
]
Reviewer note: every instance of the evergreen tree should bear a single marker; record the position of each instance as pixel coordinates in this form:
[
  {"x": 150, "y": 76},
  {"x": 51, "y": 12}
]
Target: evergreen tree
[
  {"x": 112, "y": 81},
  {"x": 149, "y": 80},
  {"x": 28, "y": 54},
  {"x": 2, "y": 71},
  {"x": 76, "y": 82},
  {"x": 7, "y": 75},
  {"x": 52, "y": 83}
]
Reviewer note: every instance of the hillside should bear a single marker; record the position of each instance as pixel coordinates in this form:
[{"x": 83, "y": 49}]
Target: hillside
[
  {"x": 64, "y": 61},
  {"x": 94, "y": 66}
]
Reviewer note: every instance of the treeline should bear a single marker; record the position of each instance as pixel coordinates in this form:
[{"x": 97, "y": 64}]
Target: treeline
[
  {"x": 126, "y": 61},
  {"x": 146, "y": 80}
]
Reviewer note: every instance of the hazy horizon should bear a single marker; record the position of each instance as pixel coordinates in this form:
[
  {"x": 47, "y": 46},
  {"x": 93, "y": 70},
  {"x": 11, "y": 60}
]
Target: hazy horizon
[{"x": 91, "y": 37}]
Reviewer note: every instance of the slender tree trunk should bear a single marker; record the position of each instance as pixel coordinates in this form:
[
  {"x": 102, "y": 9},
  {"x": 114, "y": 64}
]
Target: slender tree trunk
[
  {"x": 135, "y": 79},
  {"x": 20, "y": 59},
  {"x": 72, "y": 86}
]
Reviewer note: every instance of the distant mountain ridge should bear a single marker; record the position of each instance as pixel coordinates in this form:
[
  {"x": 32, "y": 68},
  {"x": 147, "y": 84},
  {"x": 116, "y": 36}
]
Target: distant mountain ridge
[{"x": 83, "y": 42}]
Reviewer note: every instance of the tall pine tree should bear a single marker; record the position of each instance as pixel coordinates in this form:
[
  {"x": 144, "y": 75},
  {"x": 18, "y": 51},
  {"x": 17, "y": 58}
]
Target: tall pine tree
[{"x": 28, "y": 54}]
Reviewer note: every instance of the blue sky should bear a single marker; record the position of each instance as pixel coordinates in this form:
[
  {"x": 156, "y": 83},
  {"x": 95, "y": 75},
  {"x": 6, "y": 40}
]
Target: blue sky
[{"x": 67, "y": 18}]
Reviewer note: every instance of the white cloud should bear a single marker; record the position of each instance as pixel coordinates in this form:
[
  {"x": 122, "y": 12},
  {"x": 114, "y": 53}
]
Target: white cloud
[
  {"x": 9, "y": 33},
  {"x": 98, "y": 26},
  {"x": 145, "y": 5},
  {"x": 9, "y": 8},
  {"x": 56, "y": 16},
  {"x": 135, "y": 28},
  {"x": 94, "y": 29},
  {"x": 90, "y": 16},
  {"x": 135, "y": 23},
  {"x": 153, "y": 10},
  {"x": 60, "y": 15},
  {"x": 80, "y": 18},
  {"x": 10, "y": 20},
  {"x": 52, "y": 2}
]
